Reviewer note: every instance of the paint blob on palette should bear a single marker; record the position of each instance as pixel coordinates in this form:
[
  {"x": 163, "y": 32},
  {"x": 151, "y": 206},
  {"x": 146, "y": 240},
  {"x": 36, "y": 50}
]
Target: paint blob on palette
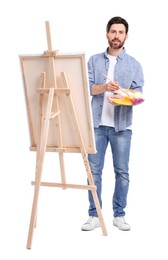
[{"x": 130, "y": 97}]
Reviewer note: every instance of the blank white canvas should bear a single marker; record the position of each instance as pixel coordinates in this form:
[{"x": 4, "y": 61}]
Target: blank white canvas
[{"x": 66, "y": 127}]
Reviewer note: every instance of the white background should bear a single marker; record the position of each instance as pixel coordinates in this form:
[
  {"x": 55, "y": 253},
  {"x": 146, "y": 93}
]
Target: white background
[{"x": 79, "y": 26}]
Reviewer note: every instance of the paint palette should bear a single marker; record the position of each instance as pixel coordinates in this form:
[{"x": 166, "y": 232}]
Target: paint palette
[{"x": 130, "y": 98}]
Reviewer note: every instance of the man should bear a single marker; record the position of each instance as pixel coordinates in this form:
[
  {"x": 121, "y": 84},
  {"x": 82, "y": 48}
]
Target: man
[{"x": 112, "y": 123}]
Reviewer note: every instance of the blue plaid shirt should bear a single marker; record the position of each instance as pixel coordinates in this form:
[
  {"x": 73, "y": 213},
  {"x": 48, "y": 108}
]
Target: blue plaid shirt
[{"x": 128, "y": 73}]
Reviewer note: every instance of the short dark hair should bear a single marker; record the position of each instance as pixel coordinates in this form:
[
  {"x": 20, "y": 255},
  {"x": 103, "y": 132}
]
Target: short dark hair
[{"x": 117, "y": 20}]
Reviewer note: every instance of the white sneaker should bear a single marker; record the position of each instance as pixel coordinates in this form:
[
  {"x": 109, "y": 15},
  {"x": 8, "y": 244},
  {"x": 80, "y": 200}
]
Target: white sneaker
[
  {"x": 92, "y": 223},
  {"x": 121, "y": 224}
]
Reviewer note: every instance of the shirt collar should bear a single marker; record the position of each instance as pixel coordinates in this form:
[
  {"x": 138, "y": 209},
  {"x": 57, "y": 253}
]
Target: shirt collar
[{"x": 120, "y": 56}]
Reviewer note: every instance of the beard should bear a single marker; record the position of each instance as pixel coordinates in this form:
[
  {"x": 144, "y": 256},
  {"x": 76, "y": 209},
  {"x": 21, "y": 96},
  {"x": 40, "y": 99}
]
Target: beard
[{"x": 116, "y": 44}]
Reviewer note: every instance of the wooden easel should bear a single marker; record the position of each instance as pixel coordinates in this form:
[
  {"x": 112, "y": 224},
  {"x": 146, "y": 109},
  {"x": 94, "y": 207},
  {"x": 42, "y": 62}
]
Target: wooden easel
[{"x": 48, "y": 110}]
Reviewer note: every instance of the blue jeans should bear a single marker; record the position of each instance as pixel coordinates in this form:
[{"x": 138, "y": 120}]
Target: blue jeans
[{"x": 120, "y": 143}]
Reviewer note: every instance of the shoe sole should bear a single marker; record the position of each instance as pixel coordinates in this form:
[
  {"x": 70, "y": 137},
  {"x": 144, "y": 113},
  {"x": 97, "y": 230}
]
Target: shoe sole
[
  {"x": 83, "y": 229},
  {"x": 127, "y": 229}
]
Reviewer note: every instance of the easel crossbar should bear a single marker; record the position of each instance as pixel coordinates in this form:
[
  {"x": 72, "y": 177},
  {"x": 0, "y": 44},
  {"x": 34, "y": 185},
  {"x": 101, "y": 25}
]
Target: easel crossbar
[
  {"x": 64, "y": 186},
  {"x": 56, "y": 90}
]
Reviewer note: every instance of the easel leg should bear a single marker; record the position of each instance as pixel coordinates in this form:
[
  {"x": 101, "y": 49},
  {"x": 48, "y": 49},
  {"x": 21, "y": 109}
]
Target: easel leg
[
  {"x": 85, "y": 159},
  {"x": 61, "y": 159},
  {"x": 95, "y": 197},
  {"x": 99, "y": 212},
  {"x": 41, "y": 147}
]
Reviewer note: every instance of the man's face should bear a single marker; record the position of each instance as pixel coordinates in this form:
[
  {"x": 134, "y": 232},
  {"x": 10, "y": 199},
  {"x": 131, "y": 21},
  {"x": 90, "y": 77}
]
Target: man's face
[{"x": 116, "y": 36}]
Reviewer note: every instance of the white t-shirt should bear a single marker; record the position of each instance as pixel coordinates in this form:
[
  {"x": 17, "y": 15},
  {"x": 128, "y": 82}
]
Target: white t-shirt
[{"x": 107, "y": 118}]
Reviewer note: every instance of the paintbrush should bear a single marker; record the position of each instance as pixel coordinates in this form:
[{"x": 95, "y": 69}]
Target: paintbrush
[{"x": 118, "y": 86}]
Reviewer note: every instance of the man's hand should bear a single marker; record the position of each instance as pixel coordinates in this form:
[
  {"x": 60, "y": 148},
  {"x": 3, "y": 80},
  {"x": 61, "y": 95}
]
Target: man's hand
[
  {"x": 112, "y": 86},
  {"x": 115, "y": 96}
]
